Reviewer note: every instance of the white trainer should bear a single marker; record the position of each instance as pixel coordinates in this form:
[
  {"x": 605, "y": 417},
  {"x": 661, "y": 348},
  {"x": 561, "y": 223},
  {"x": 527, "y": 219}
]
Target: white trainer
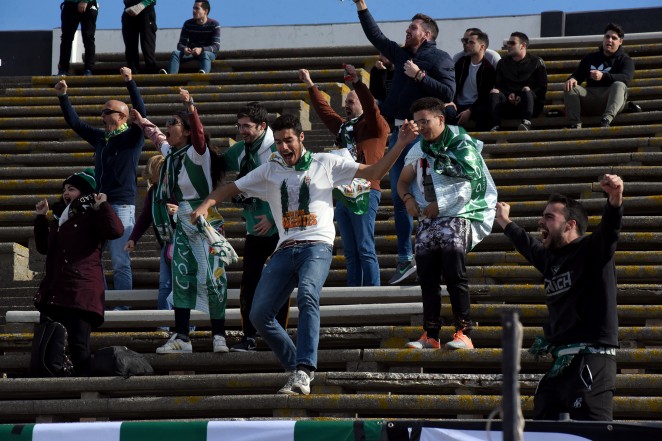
[
  {"x": 219, "y": 344},
  {"x": 175, "y": 346}
]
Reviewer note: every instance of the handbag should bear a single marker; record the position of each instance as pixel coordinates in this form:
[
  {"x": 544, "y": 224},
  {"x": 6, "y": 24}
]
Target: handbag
[
  {"x": 49, "y": 351},
  {"x": 119, "y": 361}
]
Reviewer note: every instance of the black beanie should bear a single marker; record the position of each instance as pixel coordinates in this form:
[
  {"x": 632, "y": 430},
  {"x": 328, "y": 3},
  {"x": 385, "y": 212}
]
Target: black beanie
[{"x": 83, "y": 181}]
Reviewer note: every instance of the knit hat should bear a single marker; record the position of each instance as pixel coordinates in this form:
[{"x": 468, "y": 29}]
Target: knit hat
[{"x": 83, "y": 181}]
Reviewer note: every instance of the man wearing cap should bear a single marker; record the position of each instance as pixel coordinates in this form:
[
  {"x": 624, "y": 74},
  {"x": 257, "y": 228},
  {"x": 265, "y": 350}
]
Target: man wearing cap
[{"x": 117, "y": 150}]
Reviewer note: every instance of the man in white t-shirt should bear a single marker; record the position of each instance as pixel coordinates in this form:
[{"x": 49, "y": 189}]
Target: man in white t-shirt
[
  {"x": 491, "y": 55},
  {"x": 298, "y": 187}
]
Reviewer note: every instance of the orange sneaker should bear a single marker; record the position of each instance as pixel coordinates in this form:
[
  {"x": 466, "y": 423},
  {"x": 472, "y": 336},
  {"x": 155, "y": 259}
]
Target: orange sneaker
[
  {"x": 460, "y": 341},
  {"x": 424, "y": 343}
]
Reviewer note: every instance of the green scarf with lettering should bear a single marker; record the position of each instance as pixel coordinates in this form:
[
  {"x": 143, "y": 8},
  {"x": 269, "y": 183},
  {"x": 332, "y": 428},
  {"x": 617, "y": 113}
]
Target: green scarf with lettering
[{"x": 166, "y": 192}]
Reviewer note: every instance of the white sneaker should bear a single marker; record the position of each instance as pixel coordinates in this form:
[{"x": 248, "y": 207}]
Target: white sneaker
[
  {"x": 175, "y": 346},
  {"x": 163, "y": 72},
  {"x": 301, "y": 383},
  {"x": 287, "y": 388},
  {"x": 219, "y": 344}
]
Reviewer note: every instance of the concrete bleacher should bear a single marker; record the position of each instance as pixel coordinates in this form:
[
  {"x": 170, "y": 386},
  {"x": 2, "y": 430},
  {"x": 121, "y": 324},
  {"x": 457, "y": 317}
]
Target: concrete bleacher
[{"x": 363, "y": 369}]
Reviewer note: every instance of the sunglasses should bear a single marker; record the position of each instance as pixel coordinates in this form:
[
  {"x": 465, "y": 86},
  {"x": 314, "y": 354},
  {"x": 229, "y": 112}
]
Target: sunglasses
[
  {"x": 110, "y": 111},
  {"x": 511, "y": 43},
  {"x": 464, "y": 40}
]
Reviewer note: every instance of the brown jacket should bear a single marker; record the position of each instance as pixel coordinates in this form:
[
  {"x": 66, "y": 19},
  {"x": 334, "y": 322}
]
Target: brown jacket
[{"x": 371, "y": 131}]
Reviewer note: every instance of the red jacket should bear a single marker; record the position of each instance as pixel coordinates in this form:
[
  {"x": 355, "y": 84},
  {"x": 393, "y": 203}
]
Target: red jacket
[
  {"x": 371, "y": 132},
  {"x": 74, "y": 275}
]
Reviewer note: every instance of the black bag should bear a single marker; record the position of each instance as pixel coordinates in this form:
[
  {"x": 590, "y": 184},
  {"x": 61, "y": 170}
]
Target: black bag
[
  {"x": 49, "y": 347},
  {"x": 119, "y": 361}
]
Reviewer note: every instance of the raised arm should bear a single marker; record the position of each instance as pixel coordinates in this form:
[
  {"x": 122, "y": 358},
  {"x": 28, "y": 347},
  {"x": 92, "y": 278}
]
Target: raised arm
[
  {"x": 329, "y": 117},
  {"x": 136, "y": 99},
  {"x": 82, "y": 129},
  {"x": 197, "y": 131},
  {"x": 149, "y": 129}
]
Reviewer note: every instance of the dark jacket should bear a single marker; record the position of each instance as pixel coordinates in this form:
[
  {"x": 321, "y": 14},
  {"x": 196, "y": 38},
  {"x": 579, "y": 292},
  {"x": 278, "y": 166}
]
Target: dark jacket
[
  {"x": 74, "y": 276},
  {"x": 618, "y": 67},
  {"x": 115, "y": 160},
  {"x": 438, "y": 65},
  {"x": 512, "y": 76},
  {"x": 580, "y": 282},
  {"x": 485, "y": 79}
]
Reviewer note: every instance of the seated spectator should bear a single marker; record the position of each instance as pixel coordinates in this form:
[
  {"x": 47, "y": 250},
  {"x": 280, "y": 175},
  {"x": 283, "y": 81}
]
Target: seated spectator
[
  {"x": 607, "y": 73},
  {"x": 200, "y": 38},
  {"x": 475, "y": 77},
  {"x": 491, "y": 55},
  {"x": 521, "y": 85}
]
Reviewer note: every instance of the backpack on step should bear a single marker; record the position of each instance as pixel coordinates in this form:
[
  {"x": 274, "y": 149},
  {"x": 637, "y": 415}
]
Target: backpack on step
[
  {"x": 49, "y": 351},
  {"x": 119, "y": 361}
]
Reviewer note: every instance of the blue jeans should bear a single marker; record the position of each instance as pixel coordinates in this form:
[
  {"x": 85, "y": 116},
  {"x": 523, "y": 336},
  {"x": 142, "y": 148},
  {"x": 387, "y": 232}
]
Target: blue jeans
[
  {"x": 165, "y": 282},
  {"x": 120, "y": 259},
  {"x": 177, "y": 57},
  {"x": 404, "y": 223},
  {"x": 304, "y": 266},
  {"x": 358, "y": 242}
]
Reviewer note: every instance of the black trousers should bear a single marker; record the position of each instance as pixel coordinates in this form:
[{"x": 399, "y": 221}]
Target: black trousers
[
  {"x": 256, "y": 252},
  {"x": 78, "y": 337},
  {"x": 527, "y": 108},
  {"x": 141, "y": 28},
  {"x": 585, "y": 390},
  {"x": 71, "y": 18}
]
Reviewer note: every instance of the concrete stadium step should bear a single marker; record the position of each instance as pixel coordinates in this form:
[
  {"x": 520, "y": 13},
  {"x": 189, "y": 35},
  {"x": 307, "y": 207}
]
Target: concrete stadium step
[
  {"x": 76, "y": 145},
  {"x": 569, "y": 66},
  {"x": 622, "y": 119},
  {"x": 186, "y": 79},
  {"x": 509, "y": 136},
  {"x": 564, "y": 147},
  {"x": 280, "y": 406},
  {"x": 337, "y": 315},
  {"x": 359, "y": 337}
]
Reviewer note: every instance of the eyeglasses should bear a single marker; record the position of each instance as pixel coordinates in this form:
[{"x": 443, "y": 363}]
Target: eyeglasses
[
  {"x": 110, "y": 111},
  {"x": 423, "y": 122},
  {"x": 245, "y": 126},
  {"x": 511, "y": 43},
  {"x": 173, "y": 122}
]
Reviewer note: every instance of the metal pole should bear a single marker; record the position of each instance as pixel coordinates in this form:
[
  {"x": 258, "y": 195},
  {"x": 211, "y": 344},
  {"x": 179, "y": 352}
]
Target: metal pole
[{"x": 513, "y": 421}]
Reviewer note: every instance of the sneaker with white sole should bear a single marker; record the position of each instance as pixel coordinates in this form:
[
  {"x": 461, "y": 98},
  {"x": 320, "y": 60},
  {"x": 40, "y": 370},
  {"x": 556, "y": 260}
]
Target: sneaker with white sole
[
  {"x": 404, "y": 269},
  {"x": 460, "y": 341},
  {"x": 287, "y": 388},
  {"x": 301, "y": 384},
  {"x": 175, "y": 346},
  {"x": 424, "y": 342},
  {"x": 219, "y": 344},
  {"x": 245, "y": 345},
  {"x": 163, "y": 72}
]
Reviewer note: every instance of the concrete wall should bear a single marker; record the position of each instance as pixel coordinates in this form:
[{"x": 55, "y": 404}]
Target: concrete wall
[{"x": 342, "y": 34}]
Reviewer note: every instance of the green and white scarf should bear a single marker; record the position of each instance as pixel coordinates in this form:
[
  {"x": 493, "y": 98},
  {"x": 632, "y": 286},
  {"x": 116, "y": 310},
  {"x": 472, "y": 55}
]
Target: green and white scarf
[
  {"x": 346, "y": 137},
  {"x": 457, "y": 155},
  {"x": 166, "y": 190}
]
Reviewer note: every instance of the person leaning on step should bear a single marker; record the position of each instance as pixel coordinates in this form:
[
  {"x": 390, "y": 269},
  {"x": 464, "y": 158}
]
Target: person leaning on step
[
  {"x": 199, "y": 279},
  {"x": 363, "y": 133},
  {"x": 446, "y": 185},
  {"x": 199, "y": 39},
  {"x": 607, "y": 73},
  {"x": 421, "y": 69},
  {"x": 298, "y": 186},
  {"x": 72, "y": 290},
  {"x": 117, "y": 149},
  {"x": 579, "y": 274},
  {"x": 73, "y": 13},
  {"x": 139, "y": 24},
  {"x": 520, "y": 87},
  {"x": 254, "y": 149}
]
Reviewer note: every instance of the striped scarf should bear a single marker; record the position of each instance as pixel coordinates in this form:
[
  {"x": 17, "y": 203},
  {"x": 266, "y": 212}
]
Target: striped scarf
[{"x": 165, "y": 192}]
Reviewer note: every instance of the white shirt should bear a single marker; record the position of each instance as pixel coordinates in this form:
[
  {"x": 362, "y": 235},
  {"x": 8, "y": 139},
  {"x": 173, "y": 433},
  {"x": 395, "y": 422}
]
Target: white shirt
[{"x": 301, "y": 201}]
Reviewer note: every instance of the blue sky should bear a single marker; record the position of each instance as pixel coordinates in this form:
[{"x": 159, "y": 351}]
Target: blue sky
[{"x": 44, "y": 14}]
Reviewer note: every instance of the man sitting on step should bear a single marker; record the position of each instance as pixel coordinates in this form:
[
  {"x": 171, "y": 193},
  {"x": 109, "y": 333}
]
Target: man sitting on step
[{"x": 607, "y": 72}]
